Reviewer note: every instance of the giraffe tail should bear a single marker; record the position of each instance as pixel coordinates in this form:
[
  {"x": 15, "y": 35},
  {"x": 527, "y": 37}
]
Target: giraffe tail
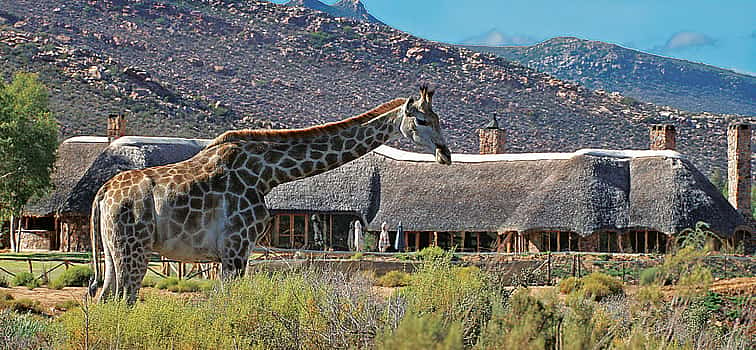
[{"x": 94, "y": 229}]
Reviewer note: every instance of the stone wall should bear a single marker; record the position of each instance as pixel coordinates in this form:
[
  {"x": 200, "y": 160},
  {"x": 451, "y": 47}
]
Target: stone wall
[
  {"x": 35, "y": 240},
  {"x": 74, "y": 234}
]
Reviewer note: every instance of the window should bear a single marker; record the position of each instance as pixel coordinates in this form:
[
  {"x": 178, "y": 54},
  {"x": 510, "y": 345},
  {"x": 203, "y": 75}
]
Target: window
[
  {"x": 645, "y": 241},
  {"x": 608, "y": 242},
  {"x": 291, "y": 230},
  {"x": 558, "y": 241}
]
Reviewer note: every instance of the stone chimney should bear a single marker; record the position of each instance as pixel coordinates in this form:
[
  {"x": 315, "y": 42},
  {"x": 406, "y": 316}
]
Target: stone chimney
[
  {"x": 662, "y": 137},
  {"x": 491, "y": 138},
  {"x": 739, "y": 167},
  {"x": 116, "y": 126}
]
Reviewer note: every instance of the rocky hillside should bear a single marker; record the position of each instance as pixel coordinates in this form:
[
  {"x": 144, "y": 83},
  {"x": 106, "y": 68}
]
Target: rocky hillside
[
  {"x": 353, "y": 9},
  {"x": 195, "y": 68},
  {"x": 662, "y": 80}
]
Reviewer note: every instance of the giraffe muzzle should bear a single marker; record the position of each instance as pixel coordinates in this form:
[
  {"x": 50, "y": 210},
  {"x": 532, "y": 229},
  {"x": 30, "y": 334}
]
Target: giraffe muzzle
[{"x": 443, "y": 155}]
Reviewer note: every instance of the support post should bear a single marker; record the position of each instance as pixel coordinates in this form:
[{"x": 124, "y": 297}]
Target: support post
[
  {"x": 12, "y": 233},
  {"x": 548, "y": 269}
]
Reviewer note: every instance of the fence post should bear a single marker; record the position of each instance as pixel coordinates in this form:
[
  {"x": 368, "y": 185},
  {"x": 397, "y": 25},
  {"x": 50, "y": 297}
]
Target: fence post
[
  {"x": 548, "y": 269},
  {"x": 724, "y": 273},
  {"x": 30, "y": 266},
  {"x": 622, "y": 267}
]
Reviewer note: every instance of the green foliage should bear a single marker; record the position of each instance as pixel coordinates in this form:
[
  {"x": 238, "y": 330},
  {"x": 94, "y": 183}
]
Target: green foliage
[
  {"x": 176, "y": 285},
  {"x": 28, "y": 142},
  {"x": 305, "y": 309},
  {"x": 320, "y": 38},
  {"x": 8, "y": 302},
  {"x": 76, "y": 276},
  {"x": 598, "y": 285},
  {"x": 451, "y": 293},
  {"x": 527, "y": 323},
  {"x": 25, "y": 331},
  {"x": 394, "y": 279},
  {"x": 3, "y": 281},
  {"x": 651, "y": 275},
  {"x": 357, "y": 256},
  {"x": 67, "y": 305},
  {"x": 569, "y": 285},
  {"x": 433, "y": 253},
  {"x": 25, "y": 279},
  {"x": 428, "y": 332},
  {"x": 649, "y": 295},
  {"x": 595, "y": 286},
  {"x": 698, "y": 237}
]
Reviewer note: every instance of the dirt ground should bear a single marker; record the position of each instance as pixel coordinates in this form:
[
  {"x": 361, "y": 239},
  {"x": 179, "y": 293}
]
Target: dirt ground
[{"x": 49, "y": 298}]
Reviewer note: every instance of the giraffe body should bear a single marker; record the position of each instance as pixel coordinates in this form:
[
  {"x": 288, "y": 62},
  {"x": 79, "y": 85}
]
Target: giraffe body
[{"x": 211, "y": 206}]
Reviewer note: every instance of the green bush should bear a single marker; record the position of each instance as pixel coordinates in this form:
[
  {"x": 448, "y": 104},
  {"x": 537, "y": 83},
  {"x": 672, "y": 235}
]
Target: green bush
[
  {"x": 422, "y": 333},
  {"x": 651, "y": 275},
  {"x": 569, "y": 285},
  {"x": 26, "y": 331},
  {"x": 3, "y": 282},
  {"x": 165, "y": 283},
  {"x": 77, "y": 276},
  {"x": 149, "y": 282},
  {"x": 598, "y": 285},
  {"x": 8, "y": 302},
  {"x": 526, "y": 323},
  {"x": 394, "y": 279},
  {"x": 433, "y": 253},
  {"x": 304, "y": 309},
  {"x": 25, "y": 279}
]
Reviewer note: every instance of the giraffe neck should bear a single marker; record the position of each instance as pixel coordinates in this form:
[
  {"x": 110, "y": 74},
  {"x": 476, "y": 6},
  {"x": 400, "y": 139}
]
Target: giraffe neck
[
  {"x": 309, "y": 156},
  {"x": 276, "y": 157}
]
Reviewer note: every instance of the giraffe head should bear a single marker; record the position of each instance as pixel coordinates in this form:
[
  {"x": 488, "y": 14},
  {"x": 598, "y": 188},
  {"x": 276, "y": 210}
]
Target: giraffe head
[{"x": 421, "y": 125}]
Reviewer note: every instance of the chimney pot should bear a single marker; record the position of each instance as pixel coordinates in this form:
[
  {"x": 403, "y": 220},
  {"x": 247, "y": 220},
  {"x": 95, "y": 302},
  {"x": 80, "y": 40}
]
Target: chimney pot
[
  {"x": 116, "y": 126},
  {"x": 491, "y": 138},
  {"x": 739, "y": 167},
  {"x": 662, "y": 137}
]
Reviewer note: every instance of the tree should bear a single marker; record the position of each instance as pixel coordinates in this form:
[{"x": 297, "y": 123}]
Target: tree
[{"x": 28, "y": 142}]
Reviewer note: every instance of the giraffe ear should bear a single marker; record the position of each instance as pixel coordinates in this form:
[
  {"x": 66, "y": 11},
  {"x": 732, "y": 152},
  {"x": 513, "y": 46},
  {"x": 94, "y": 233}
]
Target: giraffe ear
[{"x": 409, "y": 104}]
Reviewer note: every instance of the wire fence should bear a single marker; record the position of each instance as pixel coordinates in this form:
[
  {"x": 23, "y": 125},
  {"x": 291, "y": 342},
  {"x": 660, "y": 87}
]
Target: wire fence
[{"x": 514, "y": 269}]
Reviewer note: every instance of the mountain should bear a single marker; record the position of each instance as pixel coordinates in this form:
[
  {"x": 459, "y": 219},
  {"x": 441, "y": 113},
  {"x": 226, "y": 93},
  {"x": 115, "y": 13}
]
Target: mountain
[
  {"x": 662, "y": 80},
  {"x": 353, "y": 9},
  {"x": 194, "y": 69}
]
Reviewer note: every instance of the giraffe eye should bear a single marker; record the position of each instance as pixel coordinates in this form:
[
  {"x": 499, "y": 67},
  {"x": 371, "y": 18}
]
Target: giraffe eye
[{"x": 421, "y": 122}]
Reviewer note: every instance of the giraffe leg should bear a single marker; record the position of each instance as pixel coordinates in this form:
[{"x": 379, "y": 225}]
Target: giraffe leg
[{"x": 234, "y": 260}]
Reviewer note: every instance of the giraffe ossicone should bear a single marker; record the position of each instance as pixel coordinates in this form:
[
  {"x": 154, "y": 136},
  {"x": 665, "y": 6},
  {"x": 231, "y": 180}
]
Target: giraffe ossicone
[{"x": 211, "y": 206}]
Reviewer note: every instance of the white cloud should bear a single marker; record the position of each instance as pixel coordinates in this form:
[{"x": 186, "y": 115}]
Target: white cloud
[
  {"x": 496, "y": 38},
  {"x": 683, "y": 40}
]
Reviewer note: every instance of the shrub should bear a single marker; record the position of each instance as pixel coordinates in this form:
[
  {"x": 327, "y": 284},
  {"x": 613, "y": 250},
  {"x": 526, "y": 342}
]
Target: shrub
[
  {"x": 357, "y": 256},
  {"x": 433, "y": 253},
  {"x": 3, "y": 282},
  {"x": 422, "y": 333},
  {"x": 452, "y": 294},
  {"x": 189, "y": 286},
  {"x": 526, "y": 323},
  {"x": 24, "y": 331},
  {"x": 649, "y": 295},
  {"x": 25, "y": 279},
  {"x": 8, "y": 302},
  {"x": 598, "y": 285},
  {"x": 651, "y": 275},
  {"x": 569, "y": 285},
  {"x": 304, "y": 309},
  {"x": 67, "y": 305},
  {"x": 149, "y": 282},
  {"x": 394, "y": 279},
  {"x": 77, "y": 276},
  {"x": 165, "y": 283}
]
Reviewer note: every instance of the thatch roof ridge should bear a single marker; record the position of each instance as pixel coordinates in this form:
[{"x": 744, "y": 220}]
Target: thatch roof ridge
[{"x": 402, "y": 155}]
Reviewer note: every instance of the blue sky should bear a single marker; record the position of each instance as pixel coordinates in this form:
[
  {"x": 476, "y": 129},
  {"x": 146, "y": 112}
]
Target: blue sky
[{"x": 720, "y": 33}]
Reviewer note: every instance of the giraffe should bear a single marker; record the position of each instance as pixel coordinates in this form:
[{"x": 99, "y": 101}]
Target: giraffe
[{"x": 211, "y": 206}]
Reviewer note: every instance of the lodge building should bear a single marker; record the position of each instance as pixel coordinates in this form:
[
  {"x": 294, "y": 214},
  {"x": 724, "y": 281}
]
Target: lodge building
[{"x": 588, "y": 200}]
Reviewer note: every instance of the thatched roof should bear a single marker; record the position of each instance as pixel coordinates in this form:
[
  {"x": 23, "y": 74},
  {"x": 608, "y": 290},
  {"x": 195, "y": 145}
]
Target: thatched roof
[
  {"x": 75, "y": 157},
  {"x": 85, "y": 163},
  {"x": 583, "y": 192}
]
